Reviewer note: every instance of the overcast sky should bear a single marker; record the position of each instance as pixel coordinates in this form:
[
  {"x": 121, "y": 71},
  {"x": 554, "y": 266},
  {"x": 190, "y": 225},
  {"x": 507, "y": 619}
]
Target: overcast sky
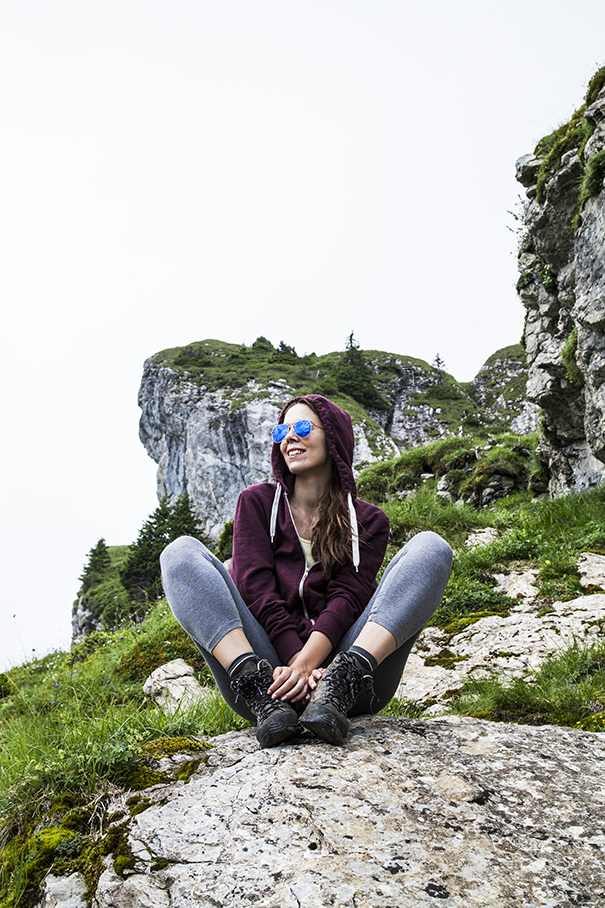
[{"x": 174, "y": 170}]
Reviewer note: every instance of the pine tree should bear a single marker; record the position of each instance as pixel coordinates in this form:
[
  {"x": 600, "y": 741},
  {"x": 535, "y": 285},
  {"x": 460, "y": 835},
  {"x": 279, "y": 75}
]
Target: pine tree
[
  {"x": 141, "y": 572},
  {"x": 439, "y": 365},
  {"x": 97, "y": 565},
  {"x": 354, "y": 377}
]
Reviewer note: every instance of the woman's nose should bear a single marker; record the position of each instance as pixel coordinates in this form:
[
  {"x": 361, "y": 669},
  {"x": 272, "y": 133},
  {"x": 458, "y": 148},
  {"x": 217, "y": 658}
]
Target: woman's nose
[{"x": 291, "y": 433}]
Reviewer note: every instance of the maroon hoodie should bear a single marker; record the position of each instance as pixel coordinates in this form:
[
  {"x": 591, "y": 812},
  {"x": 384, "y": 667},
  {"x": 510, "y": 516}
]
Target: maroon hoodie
[{"x": 269, "y": 567}]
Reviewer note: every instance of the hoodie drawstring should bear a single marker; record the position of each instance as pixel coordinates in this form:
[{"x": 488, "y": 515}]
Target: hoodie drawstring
[
  {"x": 354, "y": 531},
  {"x": 352, "y": 516},
  {"x": 273, "y": 523}
]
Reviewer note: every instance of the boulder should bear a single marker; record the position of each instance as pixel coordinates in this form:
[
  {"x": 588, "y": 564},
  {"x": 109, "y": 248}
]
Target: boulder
[
  {"x": 454, "y": 811},
  {"x": 173, "y": 686}
]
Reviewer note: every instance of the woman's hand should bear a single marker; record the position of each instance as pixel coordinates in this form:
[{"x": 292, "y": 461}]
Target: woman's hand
[
  {"x": 289, "y": 683},
  {"x": 314, "y": 677}
]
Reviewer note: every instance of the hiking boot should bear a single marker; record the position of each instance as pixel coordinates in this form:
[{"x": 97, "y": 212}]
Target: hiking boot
[
  {"x": 276, "y": 720},
  {"x": 336, "y": 692}
]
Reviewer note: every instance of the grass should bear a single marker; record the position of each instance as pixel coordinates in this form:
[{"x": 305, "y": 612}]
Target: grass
[
  {"x": 568, "y": 689},
  {"x": 76, "y": 726}
]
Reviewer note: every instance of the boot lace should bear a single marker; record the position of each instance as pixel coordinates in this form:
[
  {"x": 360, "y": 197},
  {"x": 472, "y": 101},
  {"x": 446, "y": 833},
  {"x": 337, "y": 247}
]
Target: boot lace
[{"x": 343, "y": 682}]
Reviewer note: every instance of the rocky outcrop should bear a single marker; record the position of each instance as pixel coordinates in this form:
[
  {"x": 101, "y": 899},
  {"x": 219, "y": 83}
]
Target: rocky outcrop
[
  {"x": 562, "y": 286},
  {"x": 451, "y": 811},
  {"x": 212, "y": 442}
]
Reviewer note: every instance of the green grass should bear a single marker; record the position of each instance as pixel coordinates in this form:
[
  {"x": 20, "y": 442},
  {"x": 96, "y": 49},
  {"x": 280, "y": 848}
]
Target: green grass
[
  {"x": 72, "y": 725},
  {"x": 75, "y": 725},
  {"x": 568, "y": 689}
]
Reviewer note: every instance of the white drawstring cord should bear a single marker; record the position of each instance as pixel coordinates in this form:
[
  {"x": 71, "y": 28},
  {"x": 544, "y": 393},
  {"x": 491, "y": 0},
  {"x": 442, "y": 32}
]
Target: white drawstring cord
[
  {"x": 354, "y": 532},
  {"x": 273, "y": 523}
]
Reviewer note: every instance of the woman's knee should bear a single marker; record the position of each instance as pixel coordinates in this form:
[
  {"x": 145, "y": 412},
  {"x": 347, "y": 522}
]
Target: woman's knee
[
  {"x": 180, "y": 552},
  {"x": 434, "y": 547}
]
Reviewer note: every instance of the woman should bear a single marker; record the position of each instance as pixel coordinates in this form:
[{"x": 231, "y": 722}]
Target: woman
[{"x": 298, "y": 636}]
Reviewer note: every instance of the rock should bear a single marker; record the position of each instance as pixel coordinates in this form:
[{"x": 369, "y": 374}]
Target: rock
[
  {"x": 513, "y": 645},
  {"x": 562, "y": 286},
  {"x": 83, "y": 621},
  {"x": 527, "y": 168},
  {"x": 591, "y": 568},
  {"x": 452, "y": 811},
  {"x": 173, "y": 686},
  {"x": 64, "y": 892},
  {"x": 481, "y": 537},
  {"x": 517, "y": 584}
]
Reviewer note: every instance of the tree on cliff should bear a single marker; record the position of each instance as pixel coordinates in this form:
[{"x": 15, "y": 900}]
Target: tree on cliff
[
  {"x": 354, "y": 377},
  {"x": 97, "y": 565},
  {"x": 141, "y": 572}
]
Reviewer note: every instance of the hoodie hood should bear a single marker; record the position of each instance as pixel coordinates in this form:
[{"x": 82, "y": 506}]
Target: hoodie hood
[{"x": 339, "y": 438}]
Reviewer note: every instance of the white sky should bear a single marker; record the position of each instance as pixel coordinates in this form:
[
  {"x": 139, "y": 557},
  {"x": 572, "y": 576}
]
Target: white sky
[{"x": 181, "y": 169}]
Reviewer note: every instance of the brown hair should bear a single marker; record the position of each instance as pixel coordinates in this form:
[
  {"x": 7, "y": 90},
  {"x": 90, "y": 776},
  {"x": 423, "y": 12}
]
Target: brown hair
[{"x": 331, "y": 537}]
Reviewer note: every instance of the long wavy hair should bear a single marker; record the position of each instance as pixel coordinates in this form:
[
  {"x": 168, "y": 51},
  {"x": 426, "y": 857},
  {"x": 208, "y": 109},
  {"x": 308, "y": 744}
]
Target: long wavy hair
[{"x": 331, "y": 537}]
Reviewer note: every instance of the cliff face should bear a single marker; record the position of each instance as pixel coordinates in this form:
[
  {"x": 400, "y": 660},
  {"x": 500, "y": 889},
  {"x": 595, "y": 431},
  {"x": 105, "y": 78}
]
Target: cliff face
[
  {"x": 212, "y": 442},
  {"x": 562, "y": 286}
]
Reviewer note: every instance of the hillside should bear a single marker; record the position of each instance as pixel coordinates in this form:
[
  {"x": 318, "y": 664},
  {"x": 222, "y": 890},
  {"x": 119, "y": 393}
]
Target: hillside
[{"x": 208, "y": 409}]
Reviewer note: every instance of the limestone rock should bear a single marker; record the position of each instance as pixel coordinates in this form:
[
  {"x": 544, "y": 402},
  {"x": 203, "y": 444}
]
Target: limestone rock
[
  {"x": 461, "y": 811},
  {"x": 173, "y": 686},
  {"x": 83, "y": 621},
  {"x": 64, "y": 892},
  {"x": 562, "y": 286},
  {"x": 517, "y": 584},
  {"x": 513, "y": 645},
  {"x": 591, "y": 568},
  {"x": 481, "y": 537}
]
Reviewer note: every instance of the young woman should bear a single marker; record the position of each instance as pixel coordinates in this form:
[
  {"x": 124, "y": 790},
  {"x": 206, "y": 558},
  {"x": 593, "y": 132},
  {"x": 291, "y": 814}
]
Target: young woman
[{"x": 298, "y": 635}]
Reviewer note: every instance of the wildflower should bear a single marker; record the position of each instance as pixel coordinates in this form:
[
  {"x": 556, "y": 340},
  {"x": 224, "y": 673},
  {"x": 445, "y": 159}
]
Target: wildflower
[{"x": 56, "y": 685}]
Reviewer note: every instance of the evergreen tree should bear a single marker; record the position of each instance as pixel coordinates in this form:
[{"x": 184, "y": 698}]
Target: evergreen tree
[
  {"x": 98, "y": 563},
  {"x": 439, "y": 365},
  {"x": 141, "y": 572},
  {"x": 354, "y": 377}
]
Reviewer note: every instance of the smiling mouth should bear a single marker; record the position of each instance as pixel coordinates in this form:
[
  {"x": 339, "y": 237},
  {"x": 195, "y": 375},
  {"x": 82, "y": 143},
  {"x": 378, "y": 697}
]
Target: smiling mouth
[{"x": 295, "y": 452}]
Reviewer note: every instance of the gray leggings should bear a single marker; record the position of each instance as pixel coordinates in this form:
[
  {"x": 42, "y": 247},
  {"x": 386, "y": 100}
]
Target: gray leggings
[{"x": 206, "y": 603}]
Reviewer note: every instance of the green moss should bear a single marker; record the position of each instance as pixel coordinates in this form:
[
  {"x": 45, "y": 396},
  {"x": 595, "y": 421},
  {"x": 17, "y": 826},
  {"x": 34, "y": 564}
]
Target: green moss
[
  {"x": 594, "y": 86},
  {"x": 138, "y": 805},
  {"x": 143, "y": 777},
  {"x": 116, "y": 844},
  {"x": 445, "y": 659},
  {"x": 186, "y": 770},
  {"x": 167, "y": 641},
  {"x": 167, "y": 747},
  {"x": 592, "y": 181}
]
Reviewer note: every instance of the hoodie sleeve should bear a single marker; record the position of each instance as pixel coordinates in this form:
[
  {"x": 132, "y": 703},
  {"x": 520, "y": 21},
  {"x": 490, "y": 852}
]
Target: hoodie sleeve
[
  {"x": 349, "y": 591},
  {"x": 253, "y": 572}
]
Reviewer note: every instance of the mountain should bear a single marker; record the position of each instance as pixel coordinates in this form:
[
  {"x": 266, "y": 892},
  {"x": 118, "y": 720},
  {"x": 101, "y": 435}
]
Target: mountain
[
  {"x": 562, "y": 286},
  {"x": 208, "y": 409}
]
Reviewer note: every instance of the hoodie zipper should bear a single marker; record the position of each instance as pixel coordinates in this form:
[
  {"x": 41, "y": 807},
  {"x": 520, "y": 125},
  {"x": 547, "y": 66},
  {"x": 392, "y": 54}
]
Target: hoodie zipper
[{"x": 307, "y": 569}]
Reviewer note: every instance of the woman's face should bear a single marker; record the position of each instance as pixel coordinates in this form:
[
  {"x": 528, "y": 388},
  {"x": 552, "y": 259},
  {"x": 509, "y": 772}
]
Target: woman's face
[{"x": 304, "y": 454}]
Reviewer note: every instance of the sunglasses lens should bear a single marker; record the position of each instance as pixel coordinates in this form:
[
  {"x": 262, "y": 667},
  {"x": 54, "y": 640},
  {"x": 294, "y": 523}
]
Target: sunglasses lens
[
  {"x": 279, "y": 433},
  {"x": 302, "y": 428}
]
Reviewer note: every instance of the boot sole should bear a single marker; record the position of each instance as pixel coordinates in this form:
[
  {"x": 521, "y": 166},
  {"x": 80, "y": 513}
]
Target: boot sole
[
  {"x": 273, "y": 732},
  {"x": 331, "y": 727}
]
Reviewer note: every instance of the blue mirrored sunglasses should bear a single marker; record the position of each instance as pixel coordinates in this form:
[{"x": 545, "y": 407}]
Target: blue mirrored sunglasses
[{"x": 302, "y": 428}]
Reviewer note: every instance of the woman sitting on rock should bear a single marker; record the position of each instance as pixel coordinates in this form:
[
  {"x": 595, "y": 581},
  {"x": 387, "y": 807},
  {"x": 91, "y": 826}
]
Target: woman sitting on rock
[{"x": 298, "y": 636}]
